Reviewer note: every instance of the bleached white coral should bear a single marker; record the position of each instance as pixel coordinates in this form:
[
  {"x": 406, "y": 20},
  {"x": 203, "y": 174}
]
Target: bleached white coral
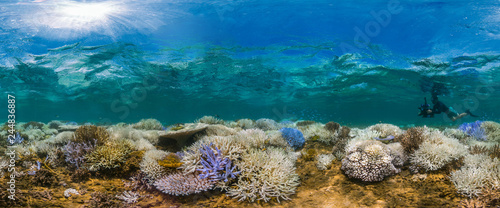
[
  {"x": 142, "y": 145},
  {"x": 436, "y": 151},
  {"x": 129, "y": 197},
  {"x": 251, "y": 138},
  {"x": 266, "y": 124},
  {"x": 180, "y": 184},
  {"x": 69, "y": 192},
  {"x": 386, "y": 130},
  {"x": 246, "y": 123},
  {"x": 318, "y": 130},
  {"x": 149, "y": 164},
  {"x": 324, "y": 161},
  {"x": 209, "y": 120},
  {"x": 479, "y": 172},
  {"x": 148, "y": 124},
  {"x": 265, "y": 175},
  {"x": 275, "y": 138},
  {"x": 371, "y": 160}
]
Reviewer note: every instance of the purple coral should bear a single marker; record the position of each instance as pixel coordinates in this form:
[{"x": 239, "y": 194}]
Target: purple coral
[
  {"x": 215, "y": 166},
  {"x": 474, "y": 130},
  {"x": 75, "y": 152}
]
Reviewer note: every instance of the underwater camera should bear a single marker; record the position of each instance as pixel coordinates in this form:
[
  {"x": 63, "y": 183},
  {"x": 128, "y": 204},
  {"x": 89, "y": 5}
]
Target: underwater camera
[{"x": 424, "y": 108}]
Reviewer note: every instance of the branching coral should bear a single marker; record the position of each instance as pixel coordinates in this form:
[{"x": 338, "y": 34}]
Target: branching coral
[
  {"x": 183, "y": 184},
  {"x": 386, "y": 130},
  {"x": 265, "y": 175},
  {"x": 148, "y": 124},
  {"x": 492, "y": 129},
  {"x": 108, "y": 157},
  {"x": 411, "y": 139},
  {"x": 89, "y": 133},
  {"x": 479, "y": 172},
  {"x": 474, "y": 130},
  {"x": 436, "y": 151},
  {"x": 209, "y": 120},
  {"x": 150, "y": 166},
  {"x": 215, "y": 166},
  {"x": 324, "y": 161},
  {"x": 75, "y": 152}
]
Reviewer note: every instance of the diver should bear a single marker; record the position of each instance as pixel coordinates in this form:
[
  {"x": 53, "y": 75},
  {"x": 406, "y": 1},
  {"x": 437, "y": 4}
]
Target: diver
[{"x": 440, "y": 107}]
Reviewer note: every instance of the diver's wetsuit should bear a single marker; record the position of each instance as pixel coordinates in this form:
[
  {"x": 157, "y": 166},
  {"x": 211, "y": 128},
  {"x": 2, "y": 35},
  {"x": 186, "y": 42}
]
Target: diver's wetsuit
[{"x": 441, "y": 107}]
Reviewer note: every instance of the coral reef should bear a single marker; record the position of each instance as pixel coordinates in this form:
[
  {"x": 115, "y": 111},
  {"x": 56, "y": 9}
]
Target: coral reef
[
  {"x": 129, "y": 197},
  {"x": 215, "y": 165},
  {"x": 474, "y": 130},
  {"x": 370, "y": 161},
  {"x": 386, "y": 130},
  {"x": 246, "y": 123},
  {"x": 294, "y": 137},
  {"x": 108, "y": 157},
  {"x": 332, "y": 126},
  {"x": 324, "y": 161},
  {"x": 266, "y": 124},
  {"x": 70, "y": 192},
  {"x": 102, "y": 200},
  {"x": 148, "y": 124},
  {"x": 479, "y": 172},
  {"x": 436, "y": 151},
  {"x": 265, "y": 175},
  {"x": 89, "y": 133},
  {"x": 210, "y": 120},
  {"x": 75, "y": 153},
  {"x": 150, "y": 166},
  {"x": 411, "y": 139},
  {"x": 492, "y": 130},
  {"x": 180, "y": 184}
]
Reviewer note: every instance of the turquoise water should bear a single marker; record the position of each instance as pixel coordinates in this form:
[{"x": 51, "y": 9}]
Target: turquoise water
[{"x": 353, "y": 62}]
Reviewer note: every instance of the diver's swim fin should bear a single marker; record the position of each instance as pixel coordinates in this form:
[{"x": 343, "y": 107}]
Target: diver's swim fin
[{"x": 470, "y": 114}]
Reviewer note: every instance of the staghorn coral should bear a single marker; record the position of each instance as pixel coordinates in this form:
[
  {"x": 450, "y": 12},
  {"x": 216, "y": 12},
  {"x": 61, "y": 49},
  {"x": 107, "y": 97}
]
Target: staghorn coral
[
  {"x": 139, "y": 182},
  {"x": 474, "y": 130},
  {"x": 265, "y": 175},
  {"x": 90, "y": 132},
  {"x": 317, "y": 132},
  {"x": 209, "y": 120},
  {"x": 436, "y": 151},
  {"x": 251, "y": 138},
  {"x": 411, "y": 139},
  {"x": 108, "y": 157},
  {"x": 215, "y": 165},
  {"x": 180, "y": 184},
  {"x": 324, "y": 161},
  {"x": 43, "y": 177},
  {"x": 479, "y": 172},
  {"x": 148, "y": 124},
  {"x": 75, "y": 153},
  {"x": 370, "y": 161},
  {"x": 129, "y": 197},
  {"x": 294, "y": 137}
]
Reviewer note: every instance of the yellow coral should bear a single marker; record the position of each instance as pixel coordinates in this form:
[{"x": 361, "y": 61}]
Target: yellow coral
[{"x": 170, "y": 161}]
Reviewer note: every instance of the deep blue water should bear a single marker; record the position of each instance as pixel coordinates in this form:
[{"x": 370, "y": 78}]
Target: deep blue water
[{"x": 354, "y": 62}]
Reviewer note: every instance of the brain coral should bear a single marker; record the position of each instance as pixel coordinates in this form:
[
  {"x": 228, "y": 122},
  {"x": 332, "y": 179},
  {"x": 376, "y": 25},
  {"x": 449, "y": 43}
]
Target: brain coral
[{"x": 370, "y": 160}]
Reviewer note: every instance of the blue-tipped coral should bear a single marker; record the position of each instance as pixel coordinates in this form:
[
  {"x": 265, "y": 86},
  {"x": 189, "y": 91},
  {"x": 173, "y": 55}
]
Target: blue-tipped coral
[
  {"x": 294, "y": 137},
  {"x": 17, "y": 139},
  {"x": 474, "y": 130},
  {"x": 215, "y": 166},
  {"x": 75, "y": 152}
]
